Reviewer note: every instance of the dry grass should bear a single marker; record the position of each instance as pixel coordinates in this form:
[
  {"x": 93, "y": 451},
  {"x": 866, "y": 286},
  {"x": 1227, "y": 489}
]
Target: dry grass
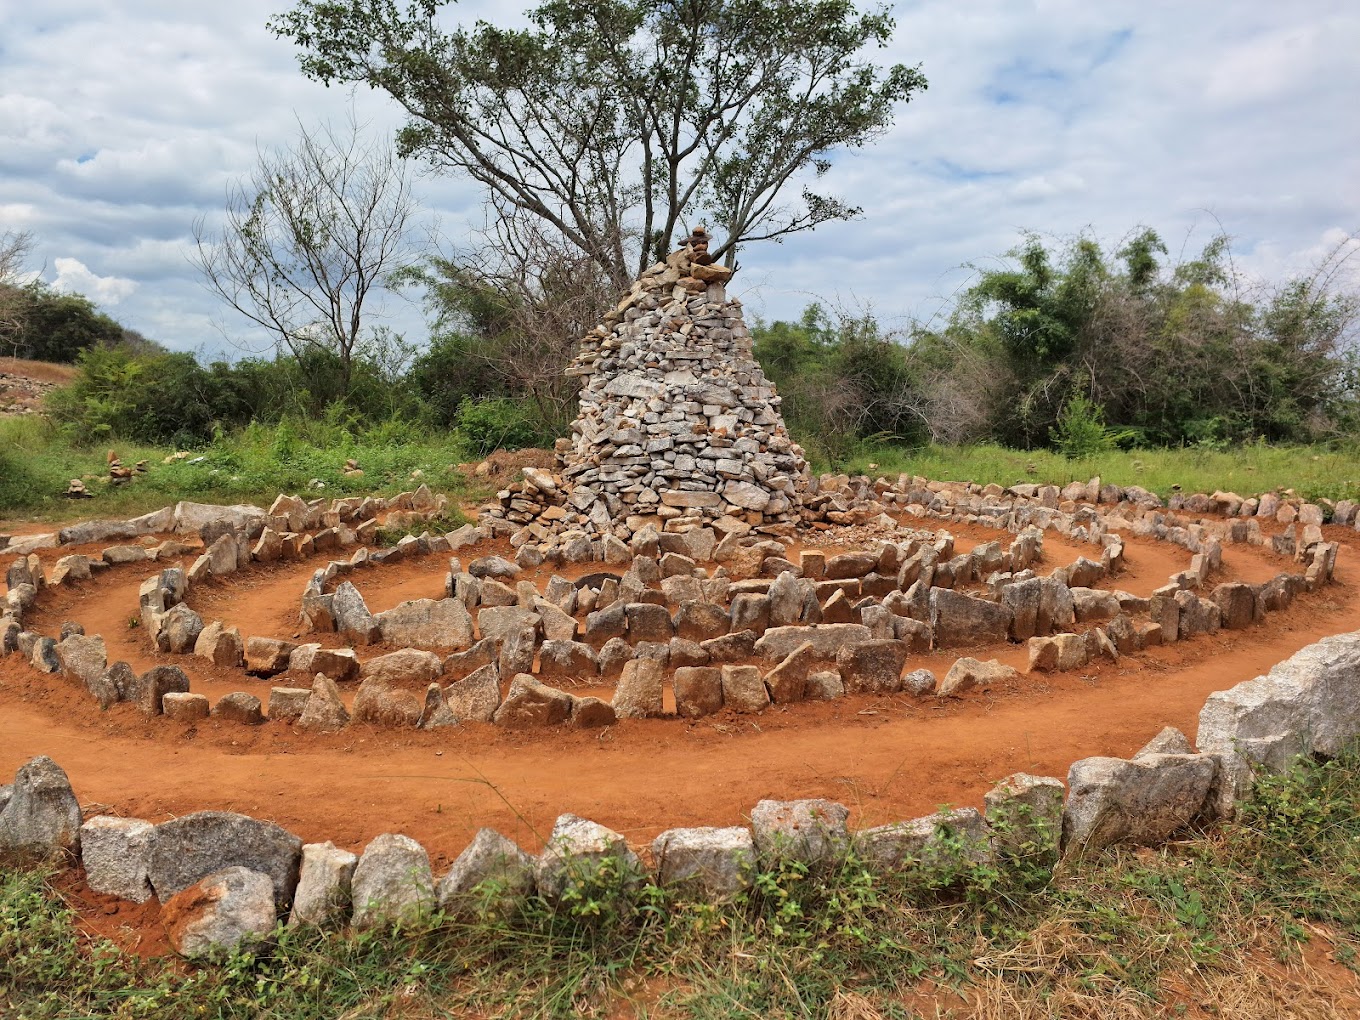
[{"x": 43, "y": 371}]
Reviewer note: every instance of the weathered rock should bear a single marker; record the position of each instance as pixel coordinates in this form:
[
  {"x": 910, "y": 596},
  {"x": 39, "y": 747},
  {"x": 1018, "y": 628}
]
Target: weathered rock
[
  {"x": 573, "y": 660},
  {"x": 850, "y": 564},
  {"x": 530, "y": 704},
  {"x": 1143, "y": 801},
  {"x": 812, "y": 831},
  {"x": 323, "y": 890},
  {"x": 380, "y": 703},
  {"x": 324, "y": 711},
  {"x": 1059, "y": 652},
  {"x": 352, "y": 617},
  {"x": 218, "y": 912},
  {"x": 1093, "y": 604},
  {"x": 185, "y": 708},
  {"x": 638, "y": 694},
  {"x": 1023, "y": 599},
  {"x": 153, "y": 685},
  {"x": 110, "y": 687},
  {"x": 114, "y": 854},
  {"x": 268, "y": 656},
  {"x": 699, "y": 621},
  {"x": 1056, "y": 610},
  {"x": 872, "y": 667},
  {"x": 83, "y": 658},
  {"x": 826, "y": 638},
  {"x": 185, "y": 850},
  {"x": 1169, "y": 741},
  {"x": 698, "y": 691},
  {"x": 1237, "y": 605},
  {"x": 286, "y": 704},
  {"x": 967, "y": 673},
  {"x": 492, "y": 877},
  {"x": 477, "y": 696},
  {"x": 581, "y": 853},
  {"x": 70, "y": 568},
  {"x": 427, "y": 623},
  {"x": 179, "y": 629},
  {"x": 731, "y": 647},
  {"x": 647, "y": 622},
  {"x": 492, "y": 566},
  {"x": 339, "y": 664},
  {"x": 42, "y": 815},
  {"x": 959, "y": 620},
  {"x": 743, "y": 689},
  {"x": 461, "y": 664},
  {"x": 944, "y": 844},
  {"x": 710, "y": 864},
  {"x": 919, "y": 682},
  {"x": 392, "y": 882},
  {"x": 825, "y": 685},
  {"x": 436, "y": 713},
  {"x": 1306, "y": 704},
  {"x": 240, "y": 708},
  {"x": 589, "y": 713},
  {"x": 502, "y": 622},
  {"x": 787, "y": 682},
  {"x": 220, "y": 645},
  {"x": 1025, "y": 815},
  {"x": 43, "y": 655},
  {"x": 410, "y": 667}
]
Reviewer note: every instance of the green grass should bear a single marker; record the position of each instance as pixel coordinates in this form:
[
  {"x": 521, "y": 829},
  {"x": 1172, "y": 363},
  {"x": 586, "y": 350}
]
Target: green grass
[
  {"x": 253, "y": 465},
  {"x": 37, "y": 460},
  {"x": 1107, "y": 937},
  {"x": 1313, "y": 472}
]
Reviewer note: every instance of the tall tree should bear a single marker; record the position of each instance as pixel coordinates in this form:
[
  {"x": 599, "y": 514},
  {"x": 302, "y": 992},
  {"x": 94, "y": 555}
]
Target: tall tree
[
  {"x": 620, "y": 123},
  {"x": 15, "y": 248},
  {"x": 310, "y": 239}
]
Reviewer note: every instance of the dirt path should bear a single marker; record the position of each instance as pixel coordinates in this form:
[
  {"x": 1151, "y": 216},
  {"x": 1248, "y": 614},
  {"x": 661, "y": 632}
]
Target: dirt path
[{"x": 887, "y": 758}]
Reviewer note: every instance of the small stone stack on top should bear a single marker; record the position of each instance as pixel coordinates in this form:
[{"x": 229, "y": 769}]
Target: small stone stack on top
[{"x": 675, "y": 413}]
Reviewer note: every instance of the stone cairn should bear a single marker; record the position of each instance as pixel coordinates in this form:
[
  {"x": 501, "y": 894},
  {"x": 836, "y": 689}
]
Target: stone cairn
[{"x": 677, "y": 418}]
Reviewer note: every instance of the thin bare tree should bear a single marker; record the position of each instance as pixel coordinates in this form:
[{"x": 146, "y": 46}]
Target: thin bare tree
[
  {"x": 311, "y": 239},
  {"x": 15, "y": 248}
]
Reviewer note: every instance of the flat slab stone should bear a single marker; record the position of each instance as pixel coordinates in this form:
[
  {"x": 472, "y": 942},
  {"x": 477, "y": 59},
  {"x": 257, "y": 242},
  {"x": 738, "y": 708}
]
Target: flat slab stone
[{"x": 185, "y": 850}]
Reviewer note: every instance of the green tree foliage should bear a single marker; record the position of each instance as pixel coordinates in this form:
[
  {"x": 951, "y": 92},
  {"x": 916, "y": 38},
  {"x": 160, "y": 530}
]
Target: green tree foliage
[
  {"x": 612, "y": 122},
  {"x": 841, "y": 380},
  {"x": 1175, "y": 353},
  {"x": 53, "y": 326}
]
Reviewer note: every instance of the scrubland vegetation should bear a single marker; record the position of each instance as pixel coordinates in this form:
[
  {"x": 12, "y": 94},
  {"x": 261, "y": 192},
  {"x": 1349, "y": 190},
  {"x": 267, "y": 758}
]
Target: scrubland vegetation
[{"x": 1258, "y": 920}]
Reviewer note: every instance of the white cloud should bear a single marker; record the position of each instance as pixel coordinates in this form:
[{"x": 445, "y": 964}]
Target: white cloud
[
  {"x": 73, "y": 276},
  {"x": 120, "y": 124}
]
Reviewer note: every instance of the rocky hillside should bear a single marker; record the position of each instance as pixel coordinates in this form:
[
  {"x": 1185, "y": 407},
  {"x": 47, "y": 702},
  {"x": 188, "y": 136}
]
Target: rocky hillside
[{"x": 24, "y": 384}]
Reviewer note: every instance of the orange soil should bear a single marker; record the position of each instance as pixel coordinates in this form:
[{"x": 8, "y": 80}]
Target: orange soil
[{"x": 887, "y": 757}]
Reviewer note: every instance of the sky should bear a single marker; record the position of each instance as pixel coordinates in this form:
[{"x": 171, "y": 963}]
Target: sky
[{"x": 122, "y": 124}]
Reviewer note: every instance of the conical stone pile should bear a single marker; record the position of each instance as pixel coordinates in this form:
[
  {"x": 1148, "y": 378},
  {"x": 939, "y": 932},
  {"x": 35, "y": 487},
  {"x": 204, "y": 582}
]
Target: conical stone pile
[{"x": 676, "y": 418}]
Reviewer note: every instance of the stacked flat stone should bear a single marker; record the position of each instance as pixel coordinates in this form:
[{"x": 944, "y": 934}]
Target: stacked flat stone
[{"x": 675, "y": 411}]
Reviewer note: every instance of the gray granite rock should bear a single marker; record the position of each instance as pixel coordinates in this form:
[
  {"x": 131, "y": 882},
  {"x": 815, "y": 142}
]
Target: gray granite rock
[
  {"x": 42, "y": 815},
  {"x": 812, "y": 831},
  {"x": 114, "y": 854},
  {"x": 491, "y": 877},
  {"x": 710, "y": 864},
  {"x": 185, "y": 850},
  {"x": 392, "y": 883},
  {"x": 323, "y": 898},
  {"x": 219, "y": 911}
]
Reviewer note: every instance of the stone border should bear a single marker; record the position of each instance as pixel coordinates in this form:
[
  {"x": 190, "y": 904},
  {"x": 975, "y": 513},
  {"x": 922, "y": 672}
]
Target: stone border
[
  {"x": 782, "y": 620},
  {"x": 220, "y": 876}
]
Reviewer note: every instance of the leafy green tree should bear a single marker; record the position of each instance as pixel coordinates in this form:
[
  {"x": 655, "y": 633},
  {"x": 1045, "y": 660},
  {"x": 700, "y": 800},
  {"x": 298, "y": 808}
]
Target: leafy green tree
[
  {"x": 57, "y": 327},
  {"x": 613, "y": 123}
]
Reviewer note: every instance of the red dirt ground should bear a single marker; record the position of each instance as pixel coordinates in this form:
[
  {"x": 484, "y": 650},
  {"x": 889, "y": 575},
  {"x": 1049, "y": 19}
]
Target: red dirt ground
[{"x": 887, "y": 758}]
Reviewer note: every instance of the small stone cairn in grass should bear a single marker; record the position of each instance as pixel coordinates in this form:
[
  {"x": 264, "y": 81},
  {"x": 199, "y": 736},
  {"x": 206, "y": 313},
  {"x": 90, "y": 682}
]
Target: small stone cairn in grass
[{"x": 677, "y": 418}]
